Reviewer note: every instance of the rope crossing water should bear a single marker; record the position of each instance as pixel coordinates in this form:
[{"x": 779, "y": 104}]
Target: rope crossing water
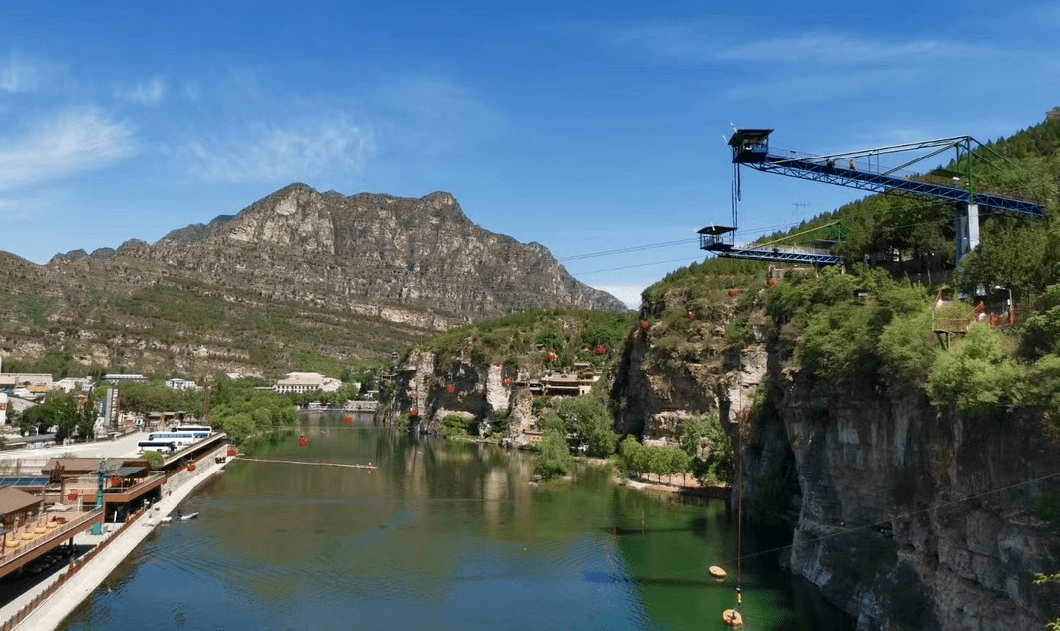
[{"x": 314, "y": 464}]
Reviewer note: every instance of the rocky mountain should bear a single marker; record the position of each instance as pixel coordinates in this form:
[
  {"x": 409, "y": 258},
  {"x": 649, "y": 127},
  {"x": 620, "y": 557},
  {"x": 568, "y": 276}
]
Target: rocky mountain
[{"x": 348, "y": 277}]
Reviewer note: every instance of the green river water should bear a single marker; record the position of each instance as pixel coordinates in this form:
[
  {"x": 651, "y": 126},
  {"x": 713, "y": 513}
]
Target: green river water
[{"x": 441, "y": 536}]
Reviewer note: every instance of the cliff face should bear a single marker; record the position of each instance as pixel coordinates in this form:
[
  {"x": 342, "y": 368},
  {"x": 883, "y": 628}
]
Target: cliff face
[
  {"x": 904, "y": 517},
  {"x": 348, "y": 277}
]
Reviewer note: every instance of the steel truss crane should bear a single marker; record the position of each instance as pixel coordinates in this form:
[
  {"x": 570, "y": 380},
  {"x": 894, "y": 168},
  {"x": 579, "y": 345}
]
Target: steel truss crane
[{"x": 862, "y": 170}]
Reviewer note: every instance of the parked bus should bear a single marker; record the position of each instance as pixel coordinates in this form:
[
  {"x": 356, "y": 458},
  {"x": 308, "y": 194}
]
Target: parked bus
[
  {"x": 161, "y": 446},
  {"x": 200, "y": 431},
  {"x": 182, "y": 439}
]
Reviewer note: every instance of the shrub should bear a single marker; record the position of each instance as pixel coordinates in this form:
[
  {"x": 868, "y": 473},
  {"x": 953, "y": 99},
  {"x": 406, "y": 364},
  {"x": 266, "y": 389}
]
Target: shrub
[{"x": 975, "y": 374}]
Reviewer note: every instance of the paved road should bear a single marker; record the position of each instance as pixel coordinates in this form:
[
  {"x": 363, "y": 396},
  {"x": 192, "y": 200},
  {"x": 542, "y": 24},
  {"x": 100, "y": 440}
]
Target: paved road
[{"x": 124, "y": 446}]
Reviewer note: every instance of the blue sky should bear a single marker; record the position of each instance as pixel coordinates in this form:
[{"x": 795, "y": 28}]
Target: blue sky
[{"x": 585, "y": 126}]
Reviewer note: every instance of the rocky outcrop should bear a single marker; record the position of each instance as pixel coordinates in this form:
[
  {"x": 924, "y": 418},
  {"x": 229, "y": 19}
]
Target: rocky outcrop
[{"x": 905, "y": 517}]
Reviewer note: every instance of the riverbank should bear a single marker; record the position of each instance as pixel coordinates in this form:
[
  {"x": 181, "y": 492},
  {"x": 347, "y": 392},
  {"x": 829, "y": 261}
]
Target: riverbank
[{"x": 116, "y": 544}]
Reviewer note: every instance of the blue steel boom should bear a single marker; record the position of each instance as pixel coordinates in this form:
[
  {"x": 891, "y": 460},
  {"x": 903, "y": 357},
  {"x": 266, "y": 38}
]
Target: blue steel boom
[{"x": 751, "y": 147}]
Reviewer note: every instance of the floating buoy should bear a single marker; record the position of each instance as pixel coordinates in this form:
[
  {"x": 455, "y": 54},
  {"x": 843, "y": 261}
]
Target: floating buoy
[
  {"x": 348, "y": 420},
  {"x": 732, "y": 618},
  {"x": 191, "y": 466},
  {"x": 717, "y": 572},
  {"x": 733, "y": 293},
  {"x": 451, "y": 389}
]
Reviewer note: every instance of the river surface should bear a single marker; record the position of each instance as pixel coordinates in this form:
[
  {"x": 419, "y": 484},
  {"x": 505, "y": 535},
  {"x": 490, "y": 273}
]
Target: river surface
[{"x": 441, "y": 536}]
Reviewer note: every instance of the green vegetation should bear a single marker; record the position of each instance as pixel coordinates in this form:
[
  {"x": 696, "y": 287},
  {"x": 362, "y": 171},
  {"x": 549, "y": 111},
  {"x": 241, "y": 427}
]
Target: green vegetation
[
  {"x": 635, "y": 458},
  {"x": 457, "y": 426},
  {"x": 554, "y": 458},
  {"x": 236, "y": 406},
  {"x": 61, "y": 411},
  {"x": 524, "y": 340},
  {"x": 154, "y": 459}
]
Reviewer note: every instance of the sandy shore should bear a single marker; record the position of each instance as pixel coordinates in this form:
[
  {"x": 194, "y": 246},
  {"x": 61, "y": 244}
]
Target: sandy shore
[{"x": 91, "y": 574}]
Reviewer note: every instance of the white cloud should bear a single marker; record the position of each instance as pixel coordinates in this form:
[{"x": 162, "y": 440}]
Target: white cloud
[
  {"x": 73, "y": 142},
  {"x": 146, "y": 93},
  {"x": 17, "y": 75},
  {"x": 264, "y": 152}
]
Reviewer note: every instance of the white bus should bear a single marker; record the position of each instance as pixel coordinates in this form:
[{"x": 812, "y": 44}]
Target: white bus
[
  {"x": 183, "y": 439},
  {"x": 161, "y": 446},
  {"x": 200, "y": 431}
]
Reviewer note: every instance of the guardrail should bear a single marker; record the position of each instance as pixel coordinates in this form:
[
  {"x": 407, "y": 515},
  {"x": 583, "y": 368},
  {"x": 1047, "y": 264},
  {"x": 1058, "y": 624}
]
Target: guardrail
[
  {"x": 75, "y": 565},
  {"x": 55, "y": 534}
]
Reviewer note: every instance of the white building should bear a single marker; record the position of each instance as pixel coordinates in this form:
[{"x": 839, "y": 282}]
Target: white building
[
  {"x": 181, "y": 384},
  {"x": 69, "y": 384},
  {"x": 122, "y": 378},
  {"x": 301, "y": 382}
]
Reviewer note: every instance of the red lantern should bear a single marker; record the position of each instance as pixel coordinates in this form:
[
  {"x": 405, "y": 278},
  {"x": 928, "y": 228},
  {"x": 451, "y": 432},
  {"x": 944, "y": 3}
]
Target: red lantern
[
  {"x": 72, "y": 497},
  {"x": 191, "y": 466},
  {"x": 601, "y": 349},
  {"x": 644, "y": 324},
  {"x": 451, "y": 389},
  {"x": 552, "y": 356},
  {"x": 348, "y": 420},
  {"x": 507, "y": 383},
  {"x": 303, "y": 441},
  {"x": 232, "y": 453},
  {"x": 733, "y": 293},
  {"x": 770, "y": 282},
  {"x": 414, "y": 412},
  {"x": 691, "y": 315}
]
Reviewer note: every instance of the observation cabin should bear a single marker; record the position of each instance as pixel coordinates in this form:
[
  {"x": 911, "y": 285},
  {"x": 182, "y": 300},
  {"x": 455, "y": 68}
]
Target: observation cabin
[{"x": 750, "y": 145}]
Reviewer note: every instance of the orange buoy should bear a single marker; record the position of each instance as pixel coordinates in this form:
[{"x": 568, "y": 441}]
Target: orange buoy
[
  {"x": 732, "y": 618},
  {"x": 717, "y": 572}
]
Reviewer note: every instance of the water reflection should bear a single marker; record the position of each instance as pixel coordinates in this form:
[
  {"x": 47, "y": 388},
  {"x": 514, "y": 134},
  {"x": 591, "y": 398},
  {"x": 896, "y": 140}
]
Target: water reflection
[{"x": 439, "y": 536}]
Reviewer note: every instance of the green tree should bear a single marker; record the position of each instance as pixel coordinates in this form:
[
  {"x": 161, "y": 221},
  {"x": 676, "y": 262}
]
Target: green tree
[
  {"x": 588, "y": 419},
  {"x": 554, "y": 458}
]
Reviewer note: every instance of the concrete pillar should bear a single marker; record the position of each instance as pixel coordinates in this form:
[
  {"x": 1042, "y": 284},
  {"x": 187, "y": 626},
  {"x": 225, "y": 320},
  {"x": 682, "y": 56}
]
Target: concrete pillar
[{"x": 966, "y": 227}]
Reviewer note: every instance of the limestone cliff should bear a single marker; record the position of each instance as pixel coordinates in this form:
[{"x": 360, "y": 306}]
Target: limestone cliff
[{"x": 904, "y": 516}]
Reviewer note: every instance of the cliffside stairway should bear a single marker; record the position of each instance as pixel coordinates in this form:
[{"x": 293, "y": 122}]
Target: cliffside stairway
[{"x": 945, "y": 325}]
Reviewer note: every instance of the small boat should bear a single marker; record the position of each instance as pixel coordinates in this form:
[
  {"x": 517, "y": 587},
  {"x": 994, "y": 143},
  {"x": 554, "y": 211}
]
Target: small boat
[{"x": 189, "y": 516}]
